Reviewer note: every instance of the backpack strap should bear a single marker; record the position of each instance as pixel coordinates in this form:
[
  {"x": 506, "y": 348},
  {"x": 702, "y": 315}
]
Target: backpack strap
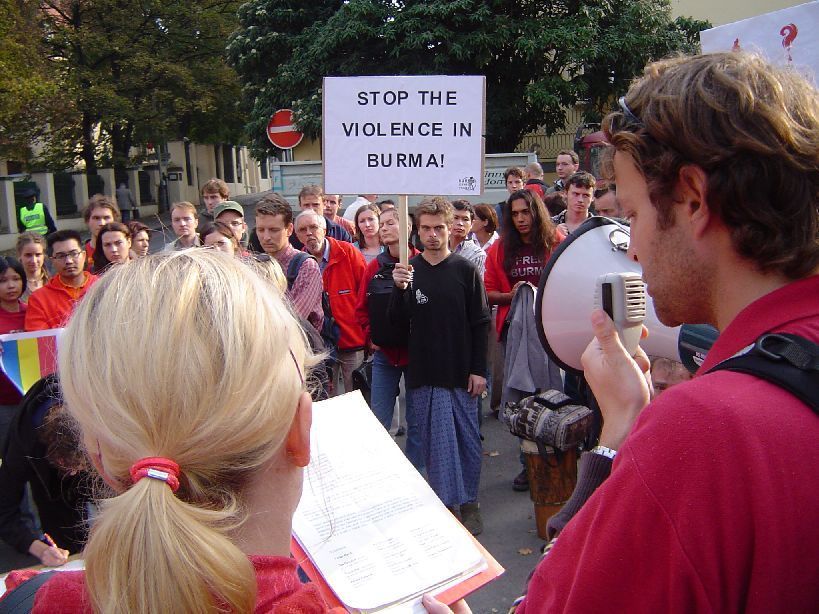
[
  {"x": 21, "y": 599},
  {"x": 789, "y": 361},
  {"x": 384, "y": 259},
  {"x": 294, "y": 267}
]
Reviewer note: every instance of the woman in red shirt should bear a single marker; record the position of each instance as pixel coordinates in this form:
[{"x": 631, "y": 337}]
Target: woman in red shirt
[
  {"x": 12, "y": 319},
  {"x": 528, "y": 237}
]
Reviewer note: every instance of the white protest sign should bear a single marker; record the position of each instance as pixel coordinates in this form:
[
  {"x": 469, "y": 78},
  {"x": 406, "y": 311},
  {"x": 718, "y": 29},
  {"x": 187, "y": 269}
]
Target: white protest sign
[
  {"x": 403, "y": 135},
  {"x": 788, "y": 36}
]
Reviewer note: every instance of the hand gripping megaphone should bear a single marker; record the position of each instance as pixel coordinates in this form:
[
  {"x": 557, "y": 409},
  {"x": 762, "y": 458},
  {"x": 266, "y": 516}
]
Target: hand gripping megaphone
[{"x": 568, "y": 292}]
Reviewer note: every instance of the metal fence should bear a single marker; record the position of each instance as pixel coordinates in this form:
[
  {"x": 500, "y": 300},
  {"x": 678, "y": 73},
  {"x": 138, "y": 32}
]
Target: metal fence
[
  {"x": 545, "y": 146},
  {"x": 96, "y": 185},
  {"x": 64, "y": 193},
  {"x": 145, "y": 194}
]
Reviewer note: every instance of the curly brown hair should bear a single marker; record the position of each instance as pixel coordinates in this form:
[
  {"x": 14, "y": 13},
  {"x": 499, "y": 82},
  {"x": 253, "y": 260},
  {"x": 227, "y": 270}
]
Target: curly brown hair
[{"x": 752, "y": 128}]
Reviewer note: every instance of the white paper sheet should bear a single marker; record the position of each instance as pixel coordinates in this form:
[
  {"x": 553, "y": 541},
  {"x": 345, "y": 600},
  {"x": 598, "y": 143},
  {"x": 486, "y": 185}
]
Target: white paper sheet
[{"x": 368, "y": 520}]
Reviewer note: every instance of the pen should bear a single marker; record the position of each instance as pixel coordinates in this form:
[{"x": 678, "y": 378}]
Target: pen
[{"x": 49, "y": 541}]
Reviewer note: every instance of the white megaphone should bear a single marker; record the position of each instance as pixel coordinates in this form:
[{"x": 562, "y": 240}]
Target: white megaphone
[{"x": 568, "y": 292}]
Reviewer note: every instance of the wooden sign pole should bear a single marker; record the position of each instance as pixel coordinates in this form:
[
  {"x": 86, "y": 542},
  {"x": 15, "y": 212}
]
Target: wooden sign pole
[{"x": 403, "y": 225}]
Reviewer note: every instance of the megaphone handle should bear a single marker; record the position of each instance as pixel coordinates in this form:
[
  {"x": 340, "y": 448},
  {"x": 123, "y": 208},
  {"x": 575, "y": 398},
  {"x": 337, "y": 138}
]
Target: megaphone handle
[{"x": 628, "y": 328}]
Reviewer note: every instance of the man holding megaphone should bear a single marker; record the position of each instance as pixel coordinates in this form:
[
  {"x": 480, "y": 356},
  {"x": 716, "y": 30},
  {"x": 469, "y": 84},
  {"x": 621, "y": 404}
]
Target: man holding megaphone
[{"x": 711, "y": 500}]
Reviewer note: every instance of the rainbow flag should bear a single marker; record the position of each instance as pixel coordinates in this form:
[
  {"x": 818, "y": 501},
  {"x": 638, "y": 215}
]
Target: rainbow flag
[{"x": 28, "y": 357}]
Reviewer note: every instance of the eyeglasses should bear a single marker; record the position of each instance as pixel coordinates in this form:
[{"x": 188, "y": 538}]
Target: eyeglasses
[
  {"x": 629, "y": 115},
  {"x": 63, "y": 256}
]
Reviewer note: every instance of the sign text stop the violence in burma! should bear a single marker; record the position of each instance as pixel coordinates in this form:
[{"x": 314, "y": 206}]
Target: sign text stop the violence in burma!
[{"x": 403, "y": 135}]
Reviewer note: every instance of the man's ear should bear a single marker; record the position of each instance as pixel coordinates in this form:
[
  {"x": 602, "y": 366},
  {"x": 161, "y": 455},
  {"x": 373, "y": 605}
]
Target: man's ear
[
  {"x": 289, "y": 229},
  {"x": 297, "y": 444},
  {"x": 691, "y": 191}
]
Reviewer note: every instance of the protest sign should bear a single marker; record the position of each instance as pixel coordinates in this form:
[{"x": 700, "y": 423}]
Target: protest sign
[
  {"x": 403, "y": 134},
  {"x": 788, "y": 36}
]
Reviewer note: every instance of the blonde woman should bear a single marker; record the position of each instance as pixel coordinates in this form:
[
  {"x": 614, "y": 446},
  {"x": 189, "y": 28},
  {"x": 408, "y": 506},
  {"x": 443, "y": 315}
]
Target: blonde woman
[
  {"x": 31, "y": 250},
  {"x": 205, "y": 461}
]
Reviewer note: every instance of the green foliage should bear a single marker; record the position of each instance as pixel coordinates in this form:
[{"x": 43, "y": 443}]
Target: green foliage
[
  {"x": 131, "y": 71},
  {"x": 29, "y": 95},
  {"x": 538, "y": 57}
]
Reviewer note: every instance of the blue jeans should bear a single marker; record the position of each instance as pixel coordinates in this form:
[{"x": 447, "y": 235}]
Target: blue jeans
[{"x": 384, "y": 391}]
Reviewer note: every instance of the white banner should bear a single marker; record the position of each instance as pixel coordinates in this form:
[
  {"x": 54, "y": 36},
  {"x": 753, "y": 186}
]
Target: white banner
[
  {"x": 789, "y": 36},
  {"x": 403, "y": 135}
]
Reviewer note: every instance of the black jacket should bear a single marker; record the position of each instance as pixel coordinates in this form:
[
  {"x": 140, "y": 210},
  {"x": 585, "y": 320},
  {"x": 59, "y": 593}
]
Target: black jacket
[{"x": 60, "y": 499}]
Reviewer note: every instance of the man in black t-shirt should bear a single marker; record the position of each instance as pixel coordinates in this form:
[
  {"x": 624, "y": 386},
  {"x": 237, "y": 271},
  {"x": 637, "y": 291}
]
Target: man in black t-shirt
[{"x": 444, "y": 298}]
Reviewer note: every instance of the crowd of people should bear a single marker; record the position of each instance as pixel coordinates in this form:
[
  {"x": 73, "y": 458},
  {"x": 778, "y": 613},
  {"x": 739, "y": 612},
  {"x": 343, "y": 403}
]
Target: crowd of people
[{"x": 679, "y": 504}]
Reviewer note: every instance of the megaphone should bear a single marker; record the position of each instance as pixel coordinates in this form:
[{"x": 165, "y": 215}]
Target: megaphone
[{"x": 566, "y": 298}]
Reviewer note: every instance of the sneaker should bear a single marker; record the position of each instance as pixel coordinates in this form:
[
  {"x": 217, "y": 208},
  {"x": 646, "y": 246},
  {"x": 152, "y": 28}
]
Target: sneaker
[
  {"x": 521, "y": 482},
  {"x": 471, "y": 517},
  {"x": 401, "y": 431}
]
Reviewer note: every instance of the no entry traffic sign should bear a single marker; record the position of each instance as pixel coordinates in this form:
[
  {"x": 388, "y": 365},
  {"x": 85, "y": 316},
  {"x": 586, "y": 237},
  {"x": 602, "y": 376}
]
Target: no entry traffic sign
[{"x": 282, "y": 132}]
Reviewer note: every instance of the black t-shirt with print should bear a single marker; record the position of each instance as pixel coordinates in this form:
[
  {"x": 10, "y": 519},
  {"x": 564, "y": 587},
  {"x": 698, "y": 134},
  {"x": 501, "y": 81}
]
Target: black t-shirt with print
[{"x": 449, "y": 322}]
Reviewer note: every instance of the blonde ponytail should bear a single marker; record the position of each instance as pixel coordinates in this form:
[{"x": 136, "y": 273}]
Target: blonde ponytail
[
  {"x": 193, "y": 566},
  {"x": 215, "y": 391}
]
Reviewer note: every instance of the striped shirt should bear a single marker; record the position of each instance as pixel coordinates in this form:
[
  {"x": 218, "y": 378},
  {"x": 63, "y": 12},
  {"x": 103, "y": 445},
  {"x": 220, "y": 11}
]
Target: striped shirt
[{"x": 306, "y": 291}]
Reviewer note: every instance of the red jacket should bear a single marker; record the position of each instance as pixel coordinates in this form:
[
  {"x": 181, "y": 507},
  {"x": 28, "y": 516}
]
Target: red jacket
[
  {"x": 51, "y": 305},
  {"x": 399, "y": 357},
  {"x": 341, "y": 278},
  {"x": 496, "y": 280}
]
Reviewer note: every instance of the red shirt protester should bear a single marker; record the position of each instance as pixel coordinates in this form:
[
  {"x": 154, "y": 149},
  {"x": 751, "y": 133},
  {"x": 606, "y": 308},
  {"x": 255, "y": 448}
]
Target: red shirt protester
[
  {"x": 342, "y": 277},
  {"x": 527, "y": 267},
  {"x": 399, "y": 356},
  {"x": 11, "y": 322},
  {"x": 706, "y": 498},
  {"x": 51, "y": 305}
]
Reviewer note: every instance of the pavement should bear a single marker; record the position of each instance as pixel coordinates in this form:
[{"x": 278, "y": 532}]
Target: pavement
[
  {"x": 509, "y": 531},
  {"x": 509, "y": 527}
]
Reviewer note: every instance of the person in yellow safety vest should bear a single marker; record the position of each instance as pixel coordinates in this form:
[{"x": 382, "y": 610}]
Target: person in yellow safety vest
[{"x": 33, "y": 215}]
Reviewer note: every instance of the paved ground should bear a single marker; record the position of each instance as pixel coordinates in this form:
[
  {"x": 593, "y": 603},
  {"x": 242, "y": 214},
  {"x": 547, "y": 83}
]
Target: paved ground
[
  {"x": 509, "y": 526},
  {"x": 508, "y": 517}
]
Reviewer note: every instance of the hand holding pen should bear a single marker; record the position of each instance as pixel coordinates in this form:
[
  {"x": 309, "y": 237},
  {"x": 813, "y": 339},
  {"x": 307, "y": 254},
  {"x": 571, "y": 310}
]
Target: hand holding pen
[{"x": 48, "y": 551}]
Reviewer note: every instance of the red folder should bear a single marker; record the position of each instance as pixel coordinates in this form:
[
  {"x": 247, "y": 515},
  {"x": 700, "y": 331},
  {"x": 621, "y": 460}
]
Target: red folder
[{"x": 448, "y": 596}]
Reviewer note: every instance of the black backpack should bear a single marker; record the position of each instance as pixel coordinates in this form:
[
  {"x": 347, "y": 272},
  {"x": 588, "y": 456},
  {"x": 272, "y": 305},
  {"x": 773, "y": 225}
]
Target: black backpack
[
  {"x": 789, "y": 361},
  {"x": 382, "y": 331},
  {"x": 330, "y": 331}
]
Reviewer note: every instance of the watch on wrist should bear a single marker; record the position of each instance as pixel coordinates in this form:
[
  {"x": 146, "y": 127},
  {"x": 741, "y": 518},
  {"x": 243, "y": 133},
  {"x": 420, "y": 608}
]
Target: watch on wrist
[{"x": 604, "y": 451}]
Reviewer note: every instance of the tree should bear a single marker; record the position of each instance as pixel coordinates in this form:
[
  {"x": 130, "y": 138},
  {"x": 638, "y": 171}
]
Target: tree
[
  {"x": 538, "y": 58},
  {"x": 132, "y": 71},
  {"x": 29, "y": 93}
]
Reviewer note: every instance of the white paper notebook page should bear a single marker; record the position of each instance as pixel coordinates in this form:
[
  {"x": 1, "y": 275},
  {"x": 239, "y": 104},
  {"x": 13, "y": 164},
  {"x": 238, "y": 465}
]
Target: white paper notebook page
[{"x": 368, "y": 519}]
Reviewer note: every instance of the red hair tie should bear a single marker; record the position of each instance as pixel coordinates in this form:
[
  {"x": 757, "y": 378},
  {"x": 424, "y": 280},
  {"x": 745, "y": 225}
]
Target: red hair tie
[{"x": 156, "y": 468}]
